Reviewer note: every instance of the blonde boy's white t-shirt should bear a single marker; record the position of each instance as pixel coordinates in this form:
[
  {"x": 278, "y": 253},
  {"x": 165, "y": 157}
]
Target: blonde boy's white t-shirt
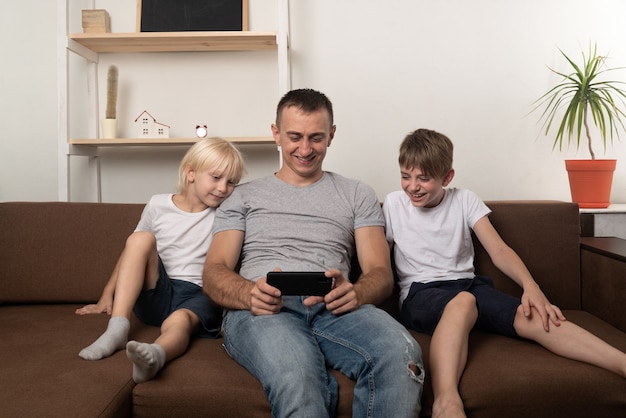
[
  {"x": 182, "y": 238},
  {"x": 432, "y": 244}
]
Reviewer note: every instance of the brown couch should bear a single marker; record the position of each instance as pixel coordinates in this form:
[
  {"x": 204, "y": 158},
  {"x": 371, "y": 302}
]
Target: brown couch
[{"x": 55, "y": 257}]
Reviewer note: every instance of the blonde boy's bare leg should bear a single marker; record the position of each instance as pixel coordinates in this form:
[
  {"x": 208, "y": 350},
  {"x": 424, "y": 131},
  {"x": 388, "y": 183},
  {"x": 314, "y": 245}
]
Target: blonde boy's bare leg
[
  {"x": 571, "y": 341},
  {"x": 136, "y": 269},
  {"x": 149, "y": 359},
  {"x": 448, "y": 354}
]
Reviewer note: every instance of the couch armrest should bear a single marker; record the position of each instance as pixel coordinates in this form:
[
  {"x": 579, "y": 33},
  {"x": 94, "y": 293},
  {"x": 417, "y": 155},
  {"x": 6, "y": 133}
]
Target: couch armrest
[{"x": 603, "y": 279}]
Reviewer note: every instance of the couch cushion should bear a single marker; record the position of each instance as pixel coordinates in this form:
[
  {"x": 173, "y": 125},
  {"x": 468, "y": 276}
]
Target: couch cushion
[
  {"x": 41, "y": 373},
  {"x": 64, "y": 255},
  {"x": 208, "y": 383},
  {"x": 502, "y": 375}
]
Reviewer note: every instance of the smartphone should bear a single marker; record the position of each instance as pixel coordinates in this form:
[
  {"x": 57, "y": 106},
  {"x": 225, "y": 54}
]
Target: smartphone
[{"x": 300, "y": 283}]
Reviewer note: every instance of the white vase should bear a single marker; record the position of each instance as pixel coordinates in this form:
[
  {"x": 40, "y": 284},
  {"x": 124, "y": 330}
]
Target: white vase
[{"x": 109, "y": 128}]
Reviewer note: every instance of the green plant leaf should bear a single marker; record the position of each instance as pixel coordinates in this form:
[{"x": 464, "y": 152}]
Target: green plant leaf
[{"x": 579, "y": 94}]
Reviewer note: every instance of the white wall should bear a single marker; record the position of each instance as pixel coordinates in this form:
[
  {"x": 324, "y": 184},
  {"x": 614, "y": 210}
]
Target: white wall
[
  {"x": 468, "y": 69},
  {"x": 28, "y": 91}
]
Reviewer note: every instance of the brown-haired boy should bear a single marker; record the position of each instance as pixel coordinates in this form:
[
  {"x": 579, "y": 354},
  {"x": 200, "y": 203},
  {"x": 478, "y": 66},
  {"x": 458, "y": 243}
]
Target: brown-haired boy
[{"x": 429, "y": 226}]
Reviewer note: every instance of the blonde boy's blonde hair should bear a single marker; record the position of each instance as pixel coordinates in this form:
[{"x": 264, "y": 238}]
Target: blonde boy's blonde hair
[{"x": 214, "y": 154}]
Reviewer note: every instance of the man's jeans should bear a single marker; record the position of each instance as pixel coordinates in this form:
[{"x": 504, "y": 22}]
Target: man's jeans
[{"x": 289, "y": 354}]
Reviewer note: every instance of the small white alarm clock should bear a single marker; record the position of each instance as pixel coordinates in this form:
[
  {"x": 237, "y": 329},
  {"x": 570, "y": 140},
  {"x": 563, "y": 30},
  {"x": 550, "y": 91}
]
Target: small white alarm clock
[{"x": 201, "y": 131}]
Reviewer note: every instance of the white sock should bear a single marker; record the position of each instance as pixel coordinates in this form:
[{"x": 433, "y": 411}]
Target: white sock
[
  {"x": 113, "y": 339},
  {"x": 147, "y": 360}
]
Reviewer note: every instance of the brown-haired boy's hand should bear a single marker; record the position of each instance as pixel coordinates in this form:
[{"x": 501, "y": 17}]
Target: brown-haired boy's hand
[{"x": 534, "y": 299}]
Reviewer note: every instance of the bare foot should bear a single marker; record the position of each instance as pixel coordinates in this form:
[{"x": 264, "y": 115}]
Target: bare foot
[{"x": 448, "y": 408}]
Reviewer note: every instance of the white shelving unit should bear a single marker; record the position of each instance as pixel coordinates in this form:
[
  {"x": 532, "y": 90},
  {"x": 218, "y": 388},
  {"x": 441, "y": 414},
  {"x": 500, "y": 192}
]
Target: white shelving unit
[{"x": 90, "y": 45}]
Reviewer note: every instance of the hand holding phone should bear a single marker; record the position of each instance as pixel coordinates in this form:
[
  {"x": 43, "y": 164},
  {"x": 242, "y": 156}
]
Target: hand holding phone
[{"x": 300, "y": 283}]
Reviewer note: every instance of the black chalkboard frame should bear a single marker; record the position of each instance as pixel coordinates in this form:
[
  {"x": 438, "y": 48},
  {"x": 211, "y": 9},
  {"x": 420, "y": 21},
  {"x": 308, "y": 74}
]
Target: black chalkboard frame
[{"x": 148, "y": 17}]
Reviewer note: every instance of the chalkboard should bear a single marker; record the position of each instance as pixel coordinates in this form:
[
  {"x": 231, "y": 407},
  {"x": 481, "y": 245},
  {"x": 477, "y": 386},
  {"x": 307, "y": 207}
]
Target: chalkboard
[{"x": 192, "y": 15}]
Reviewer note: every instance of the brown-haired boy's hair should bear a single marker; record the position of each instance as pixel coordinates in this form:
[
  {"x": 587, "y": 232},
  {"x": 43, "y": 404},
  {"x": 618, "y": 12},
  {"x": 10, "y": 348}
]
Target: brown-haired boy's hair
[{"x": 429, "y": 150}]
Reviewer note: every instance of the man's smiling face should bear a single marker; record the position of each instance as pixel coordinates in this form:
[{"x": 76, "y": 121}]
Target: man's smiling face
[{"x": 303, "y": 138}]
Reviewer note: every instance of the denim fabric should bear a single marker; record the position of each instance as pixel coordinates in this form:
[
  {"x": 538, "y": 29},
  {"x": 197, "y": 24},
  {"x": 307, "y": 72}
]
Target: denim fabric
[
  {"x": 290, "y": 353},
  {"x": 153, "y": 306}
]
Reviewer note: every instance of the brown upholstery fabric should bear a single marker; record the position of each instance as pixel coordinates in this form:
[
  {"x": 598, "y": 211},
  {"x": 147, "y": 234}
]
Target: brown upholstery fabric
[
  {"x": 499, "y": 367},
  {"x": 210, "y": 383},
  {"x": 41, "y": 374},
  {"x": 545, "y": 235},
  {"x": 56, "y": 256},
  {"x": 59, "y": 252}
]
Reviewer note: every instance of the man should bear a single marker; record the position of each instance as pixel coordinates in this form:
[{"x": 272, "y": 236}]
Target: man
[{"x": 305, "y": 219}]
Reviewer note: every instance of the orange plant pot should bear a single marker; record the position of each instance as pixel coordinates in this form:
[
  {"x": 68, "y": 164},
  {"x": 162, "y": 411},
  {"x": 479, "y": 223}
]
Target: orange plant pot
[{"x": 590, "y": 182}]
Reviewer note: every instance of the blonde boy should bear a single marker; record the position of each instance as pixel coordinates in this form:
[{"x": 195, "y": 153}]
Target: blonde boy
[{"x": 159, "y": 274}]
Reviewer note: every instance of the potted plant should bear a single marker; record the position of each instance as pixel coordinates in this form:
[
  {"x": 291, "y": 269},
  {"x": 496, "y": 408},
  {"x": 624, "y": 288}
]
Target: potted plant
[{"x": 583, "y": 96}]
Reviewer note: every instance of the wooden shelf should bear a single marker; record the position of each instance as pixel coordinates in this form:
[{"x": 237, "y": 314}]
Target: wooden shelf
[
  {"x": 125, "y": 142},
  {"x": 89, "y": 46},
  {"x": 176, "y": 41}
]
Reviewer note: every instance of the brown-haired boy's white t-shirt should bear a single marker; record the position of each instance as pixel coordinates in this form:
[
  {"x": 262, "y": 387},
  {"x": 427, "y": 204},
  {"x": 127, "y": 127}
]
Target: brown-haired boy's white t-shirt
[{"x": 432, "y": 244}]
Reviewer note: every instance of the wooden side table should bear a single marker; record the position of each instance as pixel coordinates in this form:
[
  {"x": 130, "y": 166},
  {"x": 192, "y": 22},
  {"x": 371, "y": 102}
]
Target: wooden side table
[{"x": 603, "y": 278}]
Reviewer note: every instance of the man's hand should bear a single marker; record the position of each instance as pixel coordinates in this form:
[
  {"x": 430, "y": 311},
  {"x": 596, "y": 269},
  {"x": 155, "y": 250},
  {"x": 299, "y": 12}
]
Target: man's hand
[
  {"x": 341, "y": 299},
  {"x": 265, "y": 299}
]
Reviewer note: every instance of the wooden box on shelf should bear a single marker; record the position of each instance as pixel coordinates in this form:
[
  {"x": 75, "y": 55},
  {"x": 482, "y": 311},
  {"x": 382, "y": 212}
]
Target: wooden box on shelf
[{"x": 96, "y": 21}]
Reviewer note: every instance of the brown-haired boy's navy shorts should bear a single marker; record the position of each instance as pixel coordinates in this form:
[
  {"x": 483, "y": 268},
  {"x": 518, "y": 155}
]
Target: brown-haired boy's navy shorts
[
  {"x": 153, "y": 306},
  {"x": 423, "y": 307}
]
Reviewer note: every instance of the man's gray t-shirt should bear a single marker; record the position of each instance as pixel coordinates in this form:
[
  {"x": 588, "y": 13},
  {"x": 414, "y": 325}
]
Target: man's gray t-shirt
[{"x": 298, "y": 228}]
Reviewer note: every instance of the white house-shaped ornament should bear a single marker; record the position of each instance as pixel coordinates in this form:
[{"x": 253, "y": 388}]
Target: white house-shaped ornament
[{"x": 148, "y": 127}]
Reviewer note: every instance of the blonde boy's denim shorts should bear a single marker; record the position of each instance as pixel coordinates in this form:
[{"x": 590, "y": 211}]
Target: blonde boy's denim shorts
[{"x": 153, "y": 306}]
